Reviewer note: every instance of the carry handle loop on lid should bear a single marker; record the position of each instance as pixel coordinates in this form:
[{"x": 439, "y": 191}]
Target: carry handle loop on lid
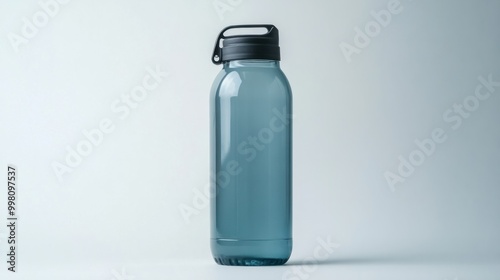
[{"x": 217, "y": 55}]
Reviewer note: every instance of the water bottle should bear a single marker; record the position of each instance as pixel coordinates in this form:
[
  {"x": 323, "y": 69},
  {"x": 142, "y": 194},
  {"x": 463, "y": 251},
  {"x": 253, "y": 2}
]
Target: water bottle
[{"x": 251, "y": 151}]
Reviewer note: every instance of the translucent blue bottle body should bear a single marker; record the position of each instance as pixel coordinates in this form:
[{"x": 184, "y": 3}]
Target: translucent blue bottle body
[{"x": 251, "y": 164}]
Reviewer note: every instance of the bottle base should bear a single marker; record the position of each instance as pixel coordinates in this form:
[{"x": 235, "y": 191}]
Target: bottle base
[
  {"x": 241, "y": 252},
  {"x": 235, "y": 261}
]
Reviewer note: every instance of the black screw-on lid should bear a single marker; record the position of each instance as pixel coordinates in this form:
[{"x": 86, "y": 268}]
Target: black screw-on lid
[{"x": 261, "y": 46}]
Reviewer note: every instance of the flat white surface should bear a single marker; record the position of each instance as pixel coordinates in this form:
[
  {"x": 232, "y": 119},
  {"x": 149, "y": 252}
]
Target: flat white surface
[
  {"x": 119, "y": 207},
  {"x": 370, "y": 268}
]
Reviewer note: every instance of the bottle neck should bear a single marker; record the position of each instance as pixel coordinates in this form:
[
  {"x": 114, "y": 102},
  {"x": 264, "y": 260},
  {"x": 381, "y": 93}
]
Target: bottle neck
[{"x": 259, "y": 63}]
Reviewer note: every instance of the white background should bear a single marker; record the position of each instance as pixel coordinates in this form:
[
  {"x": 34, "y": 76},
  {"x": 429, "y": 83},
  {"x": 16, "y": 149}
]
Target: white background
[{"x": 116, "y": 215}]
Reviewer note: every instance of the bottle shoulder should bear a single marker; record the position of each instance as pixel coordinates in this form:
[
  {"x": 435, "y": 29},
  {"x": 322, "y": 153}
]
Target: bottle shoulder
[
  {"x": 251, "y": 75},
  {"x": 231, "y": 80}
]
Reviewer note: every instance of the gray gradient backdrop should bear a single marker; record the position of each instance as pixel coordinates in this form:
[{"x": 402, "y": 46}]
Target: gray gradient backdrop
[{"x": 117, "y": 214}]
